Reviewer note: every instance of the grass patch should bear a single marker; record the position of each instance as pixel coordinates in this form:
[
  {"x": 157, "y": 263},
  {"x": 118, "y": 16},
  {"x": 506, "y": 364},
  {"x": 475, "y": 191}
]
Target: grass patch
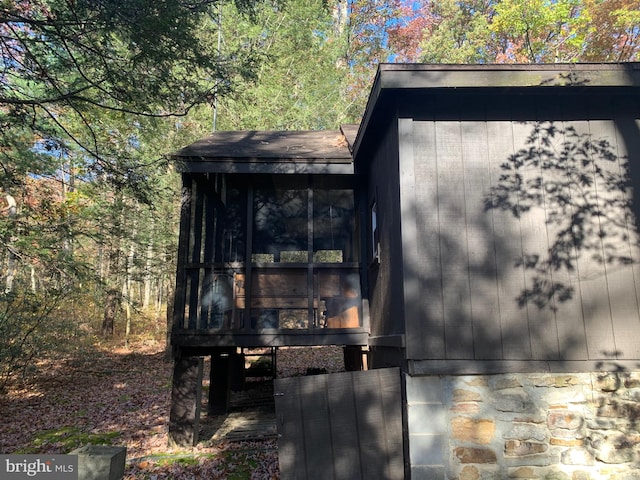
[
  {"x": 66, "y": 439},
  {"x": 231, "y": 465},
  {"x": 239, "y": 465},
  {"x": 184, "y": 461}
]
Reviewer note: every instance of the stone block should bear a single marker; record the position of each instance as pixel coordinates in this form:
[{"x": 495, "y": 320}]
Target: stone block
[
  {"x": 577, "y": 456},
  {"x": 510, "y": 403},
  {"x": 557, "y": 476},
  {"x": 100, "y": 462},
  {"x": 469, "y": 473},
  {"x": 475, "y": 381},
  {"x": 465, "y": 407},
  {"x": 568, "y": 395},
  {"x": 505, "y": 382},
  {"x": 537, "y": 417},
  {"x": 632, "y": 380},
  {"x": 608, "y": 382},
  {"x": 557, "y": 381},
  {"x": 462, "y": 395},
  {"x": 621, "y": 410},
  {"x": 522, "y": 473},
  {"x": 518, "y": 448},
  {"x": 473, "y": 430},
  {"x": 475, "y": 455},
  {"x": 580, "y": 475},
  {"x": 526, "y": 431},
  {"x": 613, "y": 450},
  {"x": 567, "y": 442},
  {"x": 564, "y": 419},
  {"x": 567, "y": 434},
  {"x": 539, "y": 460}
]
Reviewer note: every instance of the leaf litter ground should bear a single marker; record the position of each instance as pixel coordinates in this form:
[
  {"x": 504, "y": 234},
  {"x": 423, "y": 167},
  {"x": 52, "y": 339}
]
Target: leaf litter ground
[{"x": 121, "y": 396}]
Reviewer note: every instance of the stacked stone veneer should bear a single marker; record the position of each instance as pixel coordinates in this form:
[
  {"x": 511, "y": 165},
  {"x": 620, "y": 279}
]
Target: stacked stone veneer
[{"x": 524, "y": 426}]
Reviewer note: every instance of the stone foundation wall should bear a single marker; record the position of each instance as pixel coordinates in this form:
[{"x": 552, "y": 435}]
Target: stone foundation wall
[{"x": 524, "y": 426}]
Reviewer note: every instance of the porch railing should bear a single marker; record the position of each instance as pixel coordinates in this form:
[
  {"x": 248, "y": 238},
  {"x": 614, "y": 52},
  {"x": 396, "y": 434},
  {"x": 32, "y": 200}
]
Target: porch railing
[{"x": 295, "y": 297}]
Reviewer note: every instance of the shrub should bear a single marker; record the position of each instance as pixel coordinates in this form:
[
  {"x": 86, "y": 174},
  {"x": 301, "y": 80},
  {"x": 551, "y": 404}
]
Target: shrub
[{"x": 31, "y": 325}]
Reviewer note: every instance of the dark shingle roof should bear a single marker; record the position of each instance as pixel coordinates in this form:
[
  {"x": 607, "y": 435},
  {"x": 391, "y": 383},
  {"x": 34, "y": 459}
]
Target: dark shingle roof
[{"x": 264, "y": 151}]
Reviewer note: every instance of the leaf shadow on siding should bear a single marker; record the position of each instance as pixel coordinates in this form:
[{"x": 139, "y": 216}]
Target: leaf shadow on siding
[{"x": 584, "y": 189}]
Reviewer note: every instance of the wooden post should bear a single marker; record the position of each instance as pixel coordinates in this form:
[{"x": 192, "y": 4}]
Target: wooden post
[
  {"x": 236, "y": 366},
  {"x": 352, "y": 358},
  {"x": 220, "y": 383},
  {"x": 186, "y": 389}
]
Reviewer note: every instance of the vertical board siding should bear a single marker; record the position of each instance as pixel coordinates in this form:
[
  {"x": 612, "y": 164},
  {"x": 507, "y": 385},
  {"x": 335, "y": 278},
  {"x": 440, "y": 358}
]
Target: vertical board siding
[
  {"x": 485, "y": 314},
  {"x": 513, "y": 342},
  {"x": 345, "y": 436},
  {"x": 625, "y": 304},
  {"x": 569, "y": 325},
  {"x": 317, "y": 431},
  {"x": 540, "y": 326},
  {"x": 453, "y": 246},
  {"x": 290, "y": 423},
  {"x": 412, "y": 262},
  {"x": 344, "y": 426},
  {"x": 386, "y": 292},
  {"x": 623, "y": 300},
  {"x": 378, "y": 409},
  {"x": 592, "y": 273},
  {"x": 503, "y": 276},
  {"x": 427, "y": 332}
]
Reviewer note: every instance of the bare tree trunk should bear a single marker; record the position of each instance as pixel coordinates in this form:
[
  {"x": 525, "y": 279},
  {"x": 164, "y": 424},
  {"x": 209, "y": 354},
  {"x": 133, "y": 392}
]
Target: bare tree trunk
[
  {"x": 147, "y": 274},
  {"x": 112, "y": 302},
  {"x": 127, "y": 292},
  {"x": 11, "y": 210},
  {"x": 33, "y": 280}
]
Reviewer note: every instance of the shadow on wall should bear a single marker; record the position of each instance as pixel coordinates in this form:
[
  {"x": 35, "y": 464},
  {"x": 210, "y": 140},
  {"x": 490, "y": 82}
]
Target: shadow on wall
[
  {"x": 585, "y": 191},
  {"x": 527, "y": 243}
]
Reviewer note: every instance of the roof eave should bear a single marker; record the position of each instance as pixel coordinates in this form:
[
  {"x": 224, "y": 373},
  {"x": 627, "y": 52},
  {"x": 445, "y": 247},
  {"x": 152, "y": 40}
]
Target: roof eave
[
  {"x": 329, "y": 166},
  {"x": 399, "y": 76}
]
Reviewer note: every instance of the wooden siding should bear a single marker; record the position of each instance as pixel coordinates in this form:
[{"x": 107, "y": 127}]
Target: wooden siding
[
  {"x": 385, "y": 274},
  {"x": 341, "y": 426},
  {"x": 527, "y": 244}
]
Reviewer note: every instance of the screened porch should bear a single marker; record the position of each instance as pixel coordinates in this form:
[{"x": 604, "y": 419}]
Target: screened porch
[{"x": 269, "y": 260}]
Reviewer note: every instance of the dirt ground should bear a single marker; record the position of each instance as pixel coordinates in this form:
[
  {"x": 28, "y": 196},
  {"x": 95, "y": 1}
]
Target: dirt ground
[{"x": 121, "y": 396}]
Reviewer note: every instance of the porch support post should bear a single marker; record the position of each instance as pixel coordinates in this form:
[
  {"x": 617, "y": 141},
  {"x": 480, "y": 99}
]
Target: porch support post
[
  {"x": 352, "y": 358},
  {"x": 184, "y": 419},
  {"x": 219, "y": 383}
]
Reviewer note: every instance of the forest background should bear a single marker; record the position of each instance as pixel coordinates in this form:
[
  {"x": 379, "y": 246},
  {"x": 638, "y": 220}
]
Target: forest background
[{"x": 95, "y": 95}]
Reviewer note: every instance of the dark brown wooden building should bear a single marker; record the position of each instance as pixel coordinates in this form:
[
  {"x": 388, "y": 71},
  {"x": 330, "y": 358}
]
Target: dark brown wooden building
[{"x": 481, "y": 220}]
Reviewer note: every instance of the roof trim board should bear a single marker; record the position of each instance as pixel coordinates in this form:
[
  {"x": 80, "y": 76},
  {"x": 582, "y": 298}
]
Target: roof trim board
[{"x": 392, "y": 77}]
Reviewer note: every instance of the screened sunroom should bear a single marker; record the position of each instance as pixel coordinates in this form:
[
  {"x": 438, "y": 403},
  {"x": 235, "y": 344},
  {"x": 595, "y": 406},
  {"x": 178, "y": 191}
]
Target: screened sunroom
[{"x": 270, "y": 242}]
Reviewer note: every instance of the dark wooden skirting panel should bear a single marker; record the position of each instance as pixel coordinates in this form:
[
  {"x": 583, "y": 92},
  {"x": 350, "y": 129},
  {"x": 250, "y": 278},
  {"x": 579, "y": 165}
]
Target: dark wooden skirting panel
[{"x": 342, "y": 426}]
